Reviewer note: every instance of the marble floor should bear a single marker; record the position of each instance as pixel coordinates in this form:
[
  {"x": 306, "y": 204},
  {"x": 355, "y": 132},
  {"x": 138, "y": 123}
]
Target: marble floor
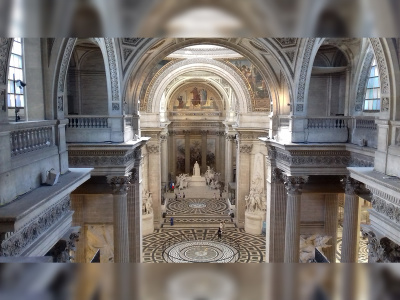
[
  {"x": 362, "y": 247},
  {"x": 196, "y": 221}
]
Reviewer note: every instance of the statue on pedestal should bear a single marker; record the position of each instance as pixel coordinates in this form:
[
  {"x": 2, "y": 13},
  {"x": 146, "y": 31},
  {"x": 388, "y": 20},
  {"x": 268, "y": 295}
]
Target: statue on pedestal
[
  {"x": 147, "y": 203},
  {"x": 196, "y": 169}
]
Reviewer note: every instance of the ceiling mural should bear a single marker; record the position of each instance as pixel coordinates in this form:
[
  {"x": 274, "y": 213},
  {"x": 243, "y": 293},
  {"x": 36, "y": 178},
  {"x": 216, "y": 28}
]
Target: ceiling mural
[
  {"x": 195, "y": 97},
  {"x": 260, "y": 92}
]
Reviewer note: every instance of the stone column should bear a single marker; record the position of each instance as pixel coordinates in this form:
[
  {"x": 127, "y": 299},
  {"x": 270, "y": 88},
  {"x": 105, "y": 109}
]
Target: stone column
[
  {"x": 276, "y": 215},
  {"x": 187, "y": 152},
  {"x": 331, "y": 224},
  {"x": 203, "y": 151},
  {"x": 119, "y": 186},
  {"x": 350, "y": 222},
  {"x": 229, "y": 158},
  {"x": 243, "y": 181},
  {"x": 135, "y": 210},
  {"x": 164, "y": 160},
  {"x": 78, "y": 219},
  {"x": 172, "y": 155},
  {"x": 221, "y": 141},
  {"x": 293, "y": 186},
  {"x": 154, "y": 180}
]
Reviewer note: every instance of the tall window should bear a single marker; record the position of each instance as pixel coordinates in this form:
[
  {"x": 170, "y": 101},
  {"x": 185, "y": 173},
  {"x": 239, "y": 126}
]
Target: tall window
[
  {"x": 373, "y": 91},
  {"x": 16, "y": 74}
]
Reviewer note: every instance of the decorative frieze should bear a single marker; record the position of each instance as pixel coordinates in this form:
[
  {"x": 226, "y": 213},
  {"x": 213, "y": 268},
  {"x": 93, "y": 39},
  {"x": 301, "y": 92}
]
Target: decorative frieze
[
  {"x": 119, "y": 184},
  {"x": 381, "y": 61},
  {"x": 65, "y": 63},
  {"x": 5, "y": 46},
  {"x": 88, "y": 158},
  {"x": 303, "y": 73},
  {"x": 153, "y": 148},
  {"x": 363, "y": 81},
  {"x": 22, "y": 238},
  {"x": 381, "y": 250},
  {"x": 113, "y": 72},
  {"x": 245, "y": 148}
]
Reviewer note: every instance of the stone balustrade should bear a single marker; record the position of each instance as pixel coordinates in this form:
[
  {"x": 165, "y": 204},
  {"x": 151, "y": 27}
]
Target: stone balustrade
[
  {"x": 87, "y": 121},
  {"x": 327, "y": 123},
  {"x": 31, "y": 139}
]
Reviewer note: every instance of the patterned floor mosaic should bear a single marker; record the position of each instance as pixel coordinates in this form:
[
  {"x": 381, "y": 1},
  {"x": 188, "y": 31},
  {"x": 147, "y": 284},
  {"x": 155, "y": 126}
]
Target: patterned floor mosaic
[
  {"x": 362, "y": 248},
  {"x": 252, "y": 248},
  {"x": 200, "y": 251},
  {"x": 197, "y": 206}
]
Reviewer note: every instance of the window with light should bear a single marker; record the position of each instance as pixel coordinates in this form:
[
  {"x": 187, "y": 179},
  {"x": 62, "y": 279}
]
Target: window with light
[
  {"x": 15, "y": 76},
  {"x": 373, "y": 91}
]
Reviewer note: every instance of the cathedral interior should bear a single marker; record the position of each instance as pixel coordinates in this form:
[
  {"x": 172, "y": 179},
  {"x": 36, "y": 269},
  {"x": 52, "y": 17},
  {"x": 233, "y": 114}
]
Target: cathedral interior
[{"x": 200, "y": 150}]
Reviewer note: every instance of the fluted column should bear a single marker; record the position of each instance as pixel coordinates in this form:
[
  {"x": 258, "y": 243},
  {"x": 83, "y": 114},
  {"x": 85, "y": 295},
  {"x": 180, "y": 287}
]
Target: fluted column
[
  {"x": 203, "y": 151},
  {"x": 229, "y": 158},
  {"x": 350, "y": 222},
  {"x": 135, "y": 210},
  {"x": 331, "y": 224},
  {"x": 154, "y": 180},
  {"x": 242, "y": 181},
  {"x": 221, "y": 141},
  {"x": 77, "y": 205},
  {"x": 293, "y": 186},
  {"x": 119, "y": 186},
  {"x": 164, "y": 159},
  {"x": 276, "y": 216},
  {"x": 187, "y": 152}
]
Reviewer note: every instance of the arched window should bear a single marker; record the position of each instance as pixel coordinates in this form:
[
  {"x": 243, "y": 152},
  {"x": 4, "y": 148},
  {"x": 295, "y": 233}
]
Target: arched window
[
  {"x": 15, "y": 76},
  {"x": 373, "y": 92}
]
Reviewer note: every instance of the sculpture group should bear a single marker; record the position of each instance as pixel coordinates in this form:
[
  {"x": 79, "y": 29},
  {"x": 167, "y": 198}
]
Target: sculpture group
[
  {"x": 147, "y": 207},
  {"x": 255, "y": 201},
  {"x": 212, "y": 179},
  {"x": 182, "y": 181}
]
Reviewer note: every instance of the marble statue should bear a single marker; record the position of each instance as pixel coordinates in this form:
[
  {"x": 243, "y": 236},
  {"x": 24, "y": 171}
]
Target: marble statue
[
  {"x": 196, "y": 169},
  {"x": 209, "y": 175},
  {"x": 182, "y": 181},
  {"x": 309, "y": 244},
  {"x": 255, "y": 201},
  {"x": 147, "y": 203}
]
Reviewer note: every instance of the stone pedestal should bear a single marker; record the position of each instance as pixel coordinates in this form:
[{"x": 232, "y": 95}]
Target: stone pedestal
[
  {"x": 197, "y": 181},
  {"x": 253, "y": 222},
  {"x": 147, "y": 224}
]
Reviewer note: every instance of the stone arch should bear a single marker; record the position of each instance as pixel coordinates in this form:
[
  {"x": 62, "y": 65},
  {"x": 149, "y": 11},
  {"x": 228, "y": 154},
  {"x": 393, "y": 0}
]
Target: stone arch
[
  {"x": 152, "y": 100},
  {"x": 383, "y": 73},
  {"x": 112, "y": 72},
  {"x": 139, "y": 65}
]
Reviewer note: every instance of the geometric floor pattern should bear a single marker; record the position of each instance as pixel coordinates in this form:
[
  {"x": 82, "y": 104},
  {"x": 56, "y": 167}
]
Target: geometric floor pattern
[
  {"x": 252, "y": 247},
  {"x": 197, "y": 206},
  {"x": 362, "y": 247}
]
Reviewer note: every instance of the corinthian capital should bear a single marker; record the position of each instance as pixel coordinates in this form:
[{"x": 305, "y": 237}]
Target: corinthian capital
[
  {"x": 119, "y": 184},
  {"x": 294, "y": 184},
  {"x": 350, "y": 185}
]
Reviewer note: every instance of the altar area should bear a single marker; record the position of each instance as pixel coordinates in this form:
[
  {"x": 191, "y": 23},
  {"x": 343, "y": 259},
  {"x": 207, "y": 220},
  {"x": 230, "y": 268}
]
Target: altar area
[{"x": 196, "y": 179}]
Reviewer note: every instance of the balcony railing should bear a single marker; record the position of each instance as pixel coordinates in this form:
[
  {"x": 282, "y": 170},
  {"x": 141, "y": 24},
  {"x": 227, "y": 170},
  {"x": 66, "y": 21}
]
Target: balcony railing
[
  {"x": 31, "y": 137},
  {"x": 327, "y": 123},
  {"x": 87, "y": 122}
]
